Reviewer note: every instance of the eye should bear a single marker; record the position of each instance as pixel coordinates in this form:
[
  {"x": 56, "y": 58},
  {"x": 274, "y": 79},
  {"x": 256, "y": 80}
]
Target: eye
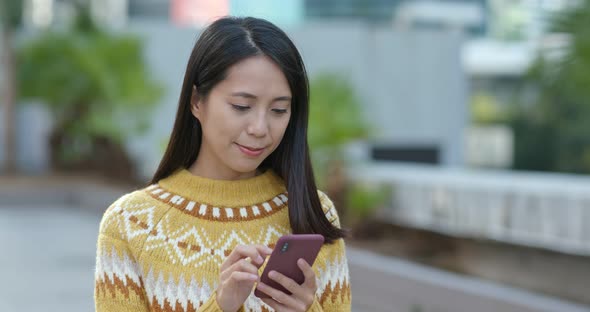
[
  {"x": 240, "y": 108},
  {"x": 280, "y": 111}
]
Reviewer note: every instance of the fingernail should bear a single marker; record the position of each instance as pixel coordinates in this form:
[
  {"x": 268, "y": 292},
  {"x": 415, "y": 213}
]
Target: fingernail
[
  {"x": 253, "y": 277},
  {"x": 268, "y": 249},
  {"x": 272, "y": 274},
  {"x": 259, "y": 259}
]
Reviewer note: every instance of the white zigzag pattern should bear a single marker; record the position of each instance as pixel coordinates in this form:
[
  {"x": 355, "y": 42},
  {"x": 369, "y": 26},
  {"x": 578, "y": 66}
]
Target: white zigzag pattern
[
  {"x": 254, "y": 304},
  {"x": 334, "y": 272},
  {"x": 115, "y": 265},
  {"x": 164, "y": 288}
]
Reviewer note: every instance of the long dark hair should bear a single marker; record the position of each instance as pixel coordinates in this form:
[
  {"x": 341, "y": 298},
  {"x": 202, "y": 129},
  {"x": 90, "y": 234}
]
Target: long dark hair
[{"x": 223, "y": 44}]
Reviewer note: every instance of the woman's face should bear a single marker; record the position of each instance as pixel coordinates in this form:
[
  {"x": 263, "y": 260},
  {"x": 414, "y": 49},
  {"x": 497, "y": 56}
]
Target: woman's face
[{"x": 243, "y": 119}]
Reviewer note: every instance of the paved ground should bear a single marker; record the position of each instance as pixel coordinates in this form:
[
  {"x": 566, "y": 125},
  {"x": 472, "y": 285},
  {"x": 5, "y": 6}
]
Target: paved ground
[
  {"x": 388, "y": 284},
  {"x": 49, "y": 261}
]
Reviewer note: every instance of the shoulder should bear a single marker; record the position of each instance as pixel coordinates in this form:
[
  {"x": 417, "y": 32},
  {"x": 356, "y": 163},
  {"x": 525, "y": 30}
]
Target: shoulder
[
  {"x": 131, "y": 215},
  {"x": 329, "y": 209}
]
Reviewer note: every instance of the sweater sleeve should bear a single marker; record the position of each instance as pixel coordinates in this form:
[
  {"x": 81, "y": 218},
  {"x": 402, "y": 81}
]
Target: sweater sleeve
[
  {"x": 119, "y": 282},
  {"x": 331, "y": 270}
]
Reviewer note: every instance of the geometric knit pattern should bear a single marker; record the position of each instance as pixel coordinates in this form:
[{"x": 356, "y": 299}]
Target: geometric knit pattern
[
  {"x": 206, "y": 211},
  {"x": 155, "y": 254}
]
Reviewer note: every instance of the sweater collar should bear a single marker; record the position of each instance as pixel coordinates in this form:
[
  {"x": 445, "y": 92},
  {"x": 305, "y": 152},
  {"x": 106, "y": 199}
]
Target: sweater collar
[{"x": 224, "y": 193}]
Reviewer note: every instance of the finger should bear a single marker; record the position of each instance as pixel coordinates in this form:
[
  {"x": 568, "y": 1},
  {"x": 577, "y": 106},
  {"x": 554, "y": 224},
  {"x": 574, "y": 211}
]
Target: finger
[
  {"x": 242, "y": 265},
  {"x": 241, "y": 252},
  {"x": 243, "y": 276},
  {"x": 264, "y": 250},
  {"x": 288, "y": 301},
  {"x": 310, "y": 279},
  {"x": 289, "y": 284}
]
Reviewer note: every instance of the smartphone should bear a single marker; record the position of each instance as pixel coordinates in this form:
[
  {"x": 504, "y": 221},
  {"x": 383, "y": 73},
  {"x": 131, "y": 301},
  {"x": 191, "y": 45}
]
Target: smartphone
[{"x": 287, "y": 251}]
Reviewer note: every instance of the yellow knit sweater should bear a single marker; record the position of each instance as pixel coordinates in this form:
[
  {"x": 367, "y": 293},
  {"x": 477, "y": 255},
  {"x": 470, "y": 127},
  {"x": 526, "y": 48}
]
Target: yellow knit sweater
[{"x": 160, "y": 248}]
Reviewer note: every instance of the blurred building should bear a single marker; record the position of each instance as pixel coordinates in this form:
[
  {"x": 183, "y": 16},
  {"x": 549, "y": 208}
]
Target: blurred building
[
  {"x": 285, "y": 13},
  {"x": 150, "y": 9},
  {"x": 416, "y": 65},
  {"x": 201, "y": 12},
  {"x": 41, "y": 14},
  {"x": 197, "y": 12},
  {"x": 496, "y": 63},
  {"x": 378, "y": 11},
  {"x": 516, "y": 30},
  {"x": 110, "y": 13}
]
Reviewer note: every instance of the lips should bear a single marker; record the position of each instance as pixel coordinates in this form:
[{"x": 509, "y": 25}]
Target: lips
[
  {"x": 250, "y": 151},
  {"x": 252, "y": 148}
]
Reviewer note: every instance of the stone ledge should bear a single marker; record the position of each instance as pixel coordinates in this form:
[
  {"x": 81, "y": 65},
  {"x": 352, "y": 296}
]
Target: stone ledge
[{"x": 94, "y": 195}]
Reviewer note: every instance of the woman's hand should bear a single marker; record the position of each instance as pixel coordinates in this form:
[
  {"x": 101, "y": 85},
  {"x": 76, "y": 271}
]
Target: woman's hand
[
  {"x": 238, "y": 275},
  {"x": 301, "y": 297}
]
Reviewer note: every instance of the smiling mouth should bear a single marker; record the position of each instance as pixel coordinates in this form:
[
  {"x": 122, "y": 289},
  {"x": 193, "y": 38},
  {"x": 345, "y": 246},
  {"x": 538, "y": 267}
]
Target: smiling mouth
[
  {"x": 250, "y": 151},
  {"x": 252, "y": 148}
]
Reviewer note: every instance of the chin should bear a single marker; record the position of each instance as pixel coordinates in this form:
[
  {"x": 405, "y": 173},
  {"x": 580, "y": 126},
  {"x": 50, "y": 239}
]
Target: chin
[{"x": 245, "y": 168}]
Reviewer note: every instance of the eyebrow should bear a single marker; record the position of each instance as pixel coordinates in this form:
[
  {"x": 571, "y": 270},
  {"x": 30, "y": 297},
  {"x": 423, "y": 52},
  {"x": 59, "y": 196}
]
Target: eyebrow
[{"x": 252, "y": 96}]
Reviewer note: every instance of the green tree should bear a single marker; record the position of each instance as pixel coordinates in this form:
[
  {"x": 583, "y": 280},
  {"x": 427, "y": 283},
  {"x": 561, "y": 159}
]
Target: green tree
[
  {"x": 98, "y": 89},
  {"x": 553, "y": 132},
  {"x": 335, "y": 119}
]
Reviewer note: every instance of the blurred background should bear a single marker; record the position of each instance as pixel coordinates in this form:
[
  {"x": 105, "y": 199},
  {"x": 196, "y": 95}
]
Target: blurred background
[{"x": 453, "y": 137}]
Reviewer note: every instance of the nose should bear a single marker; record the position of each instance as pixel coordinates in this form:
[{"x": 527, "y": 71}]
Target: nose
[{"x": 258, "y": 126}]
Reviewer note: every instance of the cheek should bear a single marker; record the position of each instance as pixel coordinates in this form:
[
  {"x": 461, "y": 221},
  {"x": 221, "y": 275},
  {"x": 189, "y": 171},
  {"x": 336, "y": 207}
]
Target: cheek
[
  {"x": 224, "y": 126},
  {"x": 279, "y": 129}
]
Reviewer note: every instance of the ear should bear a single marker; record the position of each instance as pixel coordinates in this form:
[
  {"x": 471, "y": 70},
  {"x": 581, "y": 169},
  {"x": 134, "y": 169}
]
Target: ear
[{"x": 196, "y": 103}]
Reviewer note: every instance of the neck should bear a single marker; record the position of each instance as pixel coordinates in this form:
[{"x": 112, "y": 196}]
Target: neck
[{"x": 200, "y": 169}]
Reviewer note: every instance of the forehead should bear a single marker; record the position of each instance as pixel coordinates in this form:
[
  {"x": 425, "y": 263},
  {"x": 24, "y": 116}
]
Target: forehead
[{"x": 258, "y": 75}]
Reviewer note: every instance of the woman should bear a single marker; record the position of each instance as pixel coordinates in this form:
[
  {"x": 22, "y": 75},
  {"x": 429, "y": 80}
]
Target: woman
[{"x": 197, "y": 237}]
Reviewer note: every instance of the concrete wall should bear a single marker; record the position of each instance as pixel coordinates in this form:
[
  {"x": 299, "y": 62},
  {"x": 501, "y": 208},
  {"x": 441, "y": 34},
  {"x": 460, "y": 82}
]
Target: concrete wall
[
  {"x": 411, "y": 82},
  {"x": 544, "y": 210}
]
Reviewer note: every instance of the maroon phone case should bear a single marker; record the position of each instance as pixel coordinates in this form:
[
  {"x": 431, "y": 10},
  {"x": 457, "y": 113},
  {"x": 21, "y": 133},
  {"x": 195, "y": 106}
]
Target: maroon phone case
[{"x": 306, "y": 246}]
